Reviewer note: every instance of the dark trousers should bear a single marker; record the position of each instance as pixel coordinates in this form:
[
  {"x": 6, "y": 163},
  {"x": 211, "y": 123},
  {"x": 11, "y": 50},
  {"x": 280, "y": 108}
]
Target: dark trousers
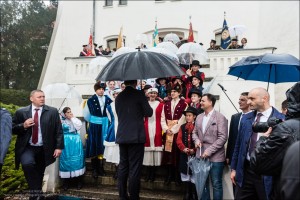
[
  {"x": 33, "y": 164},
  {"x": 253, "y": 186},
  {"x": 131, "y": 162}
]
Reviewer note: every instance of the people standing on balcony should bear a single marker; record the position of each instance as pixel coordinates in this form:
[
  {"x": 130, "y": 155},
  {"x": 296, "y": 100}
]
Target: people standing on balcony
[
  {"x": 111, "y": 151},
  {"x": 171, "y": 120},
  {"x": 84, "y": 51},
  {"x": 210, "y": 135},
  {"x": 97, "y": 51},
  {"x": 153, "y": 145},
  {"x": 244, "y": 44},
  {"x": 187, "y": 149},
  {"x": 234, "y": 44},
  {"x": 96, "y": 112},
  {"x": 213, "y": 45},
  {"x": 71, "y": 162},
  {"x": 106, "y": 52}
]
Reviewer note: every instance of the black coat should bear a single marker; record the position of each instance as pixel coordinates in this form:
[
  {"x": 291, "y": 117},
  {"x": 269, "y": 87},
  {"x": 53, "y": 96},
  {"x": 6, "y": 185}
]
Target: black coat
[
  {"x": 290, "y": 176},
  {"x": 131, "y": 107},
  {"x": 51, "y": 129},
  {"x": 233, "y": 133}
]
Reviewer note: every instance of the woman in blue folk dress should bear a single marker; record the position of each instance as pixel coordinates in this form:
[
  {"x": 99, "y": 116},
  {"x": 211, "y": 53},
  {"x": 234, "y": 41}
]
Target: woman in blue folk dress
[{"x": 72, "y": 162}]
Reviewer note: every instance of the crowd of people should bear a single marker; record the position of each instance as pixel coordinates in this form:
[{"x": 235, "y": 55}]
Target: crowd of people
[
  {"x": 161, "y": 126},
  {"x": 99, "y": 51}
]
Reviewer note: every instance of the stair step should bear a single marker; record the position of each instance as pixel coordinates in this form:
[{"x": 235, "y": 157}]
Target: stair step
[
  {"x": 108, "y": 180},
  {"x": 111, "y": 193}
]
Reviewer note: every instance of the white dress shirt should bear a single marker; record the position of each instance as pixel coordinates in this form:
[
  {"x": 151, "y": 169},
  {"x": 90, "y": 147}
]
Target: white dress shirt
[
  {"x": 206, "y": 119},
  {"x": 101, "y": 102},
  {"x": 40, "y": 139}
]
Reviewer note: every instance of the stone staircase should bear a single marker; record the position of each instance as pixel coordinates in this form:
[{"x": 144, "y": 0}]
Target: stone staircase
[{"x": 105, "y": 187}]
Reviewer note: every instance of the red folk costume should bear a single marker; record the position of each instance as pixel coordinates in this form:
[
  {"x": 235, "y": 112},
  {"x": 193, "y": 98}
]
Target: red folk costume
[
  {"x": 153, "y": 130},
  {"x": 176, "y": 118}
]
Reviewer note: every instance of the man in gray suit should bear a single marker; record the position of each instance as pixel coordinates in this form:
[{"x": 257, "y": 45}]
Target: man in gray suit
[{"x": 210, "y": 134}]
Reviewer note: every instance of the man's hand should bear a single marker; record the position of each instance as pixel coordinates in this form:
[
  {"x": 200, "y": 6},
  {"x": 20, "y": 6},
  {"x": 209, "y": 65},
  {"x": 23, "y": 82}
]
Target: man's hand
[
  {"x": 28, "y": 123},
  {"x": 198, "y": 145},
  {"x": 232, "y": 176},
  {"x": 57, "y": 153},
  {"x": 186, "y": 150},
  {"x": 169, "y": 132},
  {"x": 267, "y": 134},
  {"x": 205, "y": 154}
]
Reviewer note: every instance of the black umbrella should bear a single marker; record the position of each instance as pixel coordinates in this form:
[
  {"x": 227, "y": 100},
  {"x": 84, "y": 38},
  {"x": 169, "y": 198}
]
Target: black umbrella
[{"x": 139, "y": 65}]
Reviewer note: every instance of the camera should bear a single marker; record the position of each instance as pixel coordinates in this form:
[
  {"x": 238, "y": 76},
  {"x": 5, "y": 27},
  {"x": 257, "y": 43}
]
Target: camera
[{"x": 261, "y": 127}]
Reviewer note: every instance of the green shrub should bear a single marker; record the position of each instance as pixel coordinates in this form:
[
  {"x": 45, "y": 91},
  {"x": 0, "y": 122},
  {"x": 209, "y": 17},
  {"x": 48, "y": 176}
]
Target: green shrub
[
  {"x": 13, "y": 181},
  {"x": 16, "y": 97}
]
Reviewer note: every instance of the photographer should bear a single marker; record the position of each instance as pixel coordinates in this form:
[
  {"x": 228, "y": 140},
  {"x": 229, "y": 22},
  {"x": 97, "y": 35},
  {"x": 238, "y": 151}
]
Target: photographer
[{"x": 270, "y": 149}]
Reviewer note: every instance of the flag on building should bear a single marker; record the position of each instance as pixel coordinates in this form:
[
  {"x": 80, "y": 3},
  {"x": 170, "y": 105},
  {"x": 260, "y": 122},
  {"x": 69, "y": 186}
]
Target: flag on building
[
  {"x": 155, "y": 35},
  {"x": 225, "y": 36},
  {"x": 91, "y": 50},
  {"x": 191, "y": 34},
  {"x": 120, "y": 39}
]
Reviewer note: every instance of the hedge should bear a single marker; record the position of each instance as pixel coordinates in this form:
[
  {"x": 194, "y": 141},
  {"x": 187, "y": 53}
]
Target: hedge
[
  {"x": 12, "y": 181},
  {"x": 16, "y": 97}
]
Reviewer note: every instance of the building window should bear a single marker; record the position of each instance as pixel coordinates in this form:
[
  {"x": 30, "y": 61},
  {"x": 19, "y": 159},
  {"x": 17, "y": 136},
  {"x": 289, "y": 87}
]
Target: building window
[
  {"x": 112, "y": 43},
  {"x": 122, "y": 2},
  {"x": 108, "y": 2}
]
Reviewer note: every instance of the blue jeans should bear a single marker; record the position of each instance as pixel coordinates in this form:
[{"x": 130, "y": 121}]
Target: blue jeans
[{"x": 215, "y": 174}]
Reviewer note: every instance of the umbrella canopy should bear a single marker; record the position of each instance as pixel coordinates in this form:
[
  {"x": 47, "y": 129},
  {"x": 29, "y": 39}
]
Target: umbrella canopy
[
  {"x": 165, "y": 52},
  {"x": 139, "y": 65},
  {"x": 274, "y": 68},
  {"x": 171, "y": 37},
  {"x": 59, "y": 94},
  {"x": 192, "y": 51},
  {"x": 200, "y": 168},
  {"x": 123, "y": 50},
  {"x": 237, "y": 30},
  {"x": 96, "y": 66},
  {"x": 141, "y": 39},
  {"x": 168, "y": 46}
]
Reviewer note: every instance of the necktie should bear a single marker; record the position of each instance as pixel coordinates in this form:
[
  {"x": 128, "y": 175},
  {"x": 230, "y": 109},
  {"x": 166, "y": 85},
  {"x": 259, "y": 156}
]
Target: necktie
[
  {"x": 254, "y": 135},
  {"x": 36, "y": 126}
]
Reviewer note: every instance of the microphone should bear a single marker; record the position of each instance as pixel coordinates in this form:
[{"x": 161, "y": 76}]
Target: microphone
[{"x": 221, "y": 87}]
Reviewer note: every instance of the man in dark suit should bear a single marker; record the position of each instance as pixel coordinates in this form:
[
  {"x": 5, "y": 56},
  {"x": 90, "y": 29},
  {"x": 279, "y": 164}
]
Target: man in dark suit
[
  {"x": 39, "y": 141},
  {"x": 131, "y": 107},
  {"x": 234, "y": 128},
  {"x": 250, "y": 185}
]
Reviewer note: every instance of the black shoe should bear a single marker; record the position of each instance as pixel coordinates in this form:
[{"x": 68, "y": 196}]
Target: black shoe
[
  {"x": 95, "y": 167},
  {"x": 147, "y": 178},
  {"x": 101, "y": 171},
  {"x": 115, "y": 176},
  {"x": 65, "y": 184},
  {"x": 152, "y": 176},
  {"x": 79, "y": 183}
]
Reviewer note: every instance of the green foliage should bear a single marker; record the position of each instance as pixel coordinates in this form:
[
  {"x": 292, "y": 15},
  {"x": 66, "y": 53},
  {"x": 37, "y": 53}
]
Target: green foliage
[
  {"x": 16, "y": 97},
  {"x": 26, "y": 29},
  {"x": 12, "y": 181}
]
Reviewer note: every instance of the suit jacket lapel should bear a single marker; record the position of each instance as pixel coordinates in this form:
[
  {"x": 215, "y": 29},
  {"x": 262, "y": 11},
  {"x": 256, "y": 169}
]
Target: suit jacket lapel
[
  {"x": 28, "y": 112},
  {"x": 213, "y": 115},
  {"x": 200, "y": 126}
]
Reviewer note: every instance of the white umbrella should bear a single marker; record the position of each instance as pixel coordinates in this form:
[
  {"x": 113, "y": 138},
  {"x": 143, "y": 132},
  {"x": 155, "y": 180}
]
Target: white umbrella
[
  {"x": 141, "y": 39},
  {"x": 171, "y": 37},
  {"x": 192, "y": 51},
  {"x": 61, "y": 94},
  {"x": 163, "y": 51},
  {"x": 237, "y": 30},
  {"x": 123, "y": 50},
  {"x": 96, "y": 66},
  {"x": 169, "y": 46}
]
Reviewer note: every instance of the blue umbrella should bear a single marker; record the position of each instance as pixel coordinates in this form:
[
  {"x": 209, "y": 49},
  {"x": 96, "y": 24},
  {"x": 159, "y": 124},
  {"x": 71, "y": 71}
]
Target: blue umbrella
[{"x": 274, "y": 68}]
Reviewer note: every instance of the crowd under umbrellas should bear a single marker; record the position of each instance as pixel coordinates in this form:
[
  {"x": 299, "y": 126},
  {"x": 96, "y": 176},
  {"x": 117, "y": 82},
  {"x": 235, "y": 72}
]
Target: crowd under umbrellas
[{"x": 165, "y": 60}]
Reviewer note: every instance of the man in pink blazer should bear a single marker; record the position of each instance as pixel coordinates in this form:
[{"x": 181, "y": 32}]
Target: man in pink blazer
[{"x": 209, "y": 135}]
